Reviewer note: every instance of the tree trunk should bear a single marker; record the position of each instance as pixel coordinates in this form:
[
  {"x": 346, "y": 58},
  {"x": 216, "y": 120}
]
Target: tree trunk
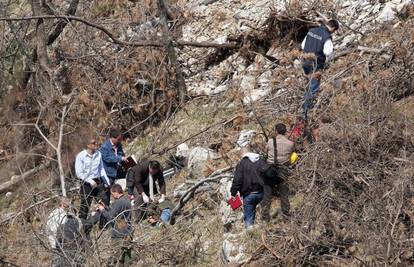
[
  {"x": 41, "y": 48},
  {"x": 172, "y": 57},
  {"x": 51, "y": 38}
]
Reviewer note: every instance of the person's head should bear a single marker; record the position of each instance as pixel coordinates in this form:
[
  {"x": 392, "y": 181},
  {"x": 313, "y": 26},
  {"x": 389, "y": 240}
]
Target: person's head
[
  {"x": 333, "y": 25},
  {"x": 154, "y": 167},
  {"x": 280, "y": 128},
  {"x": 116, "y": 191},
  {"x": 92, "y": 146},
  {"x": 115, "y": 135},
  {"x": 64, "y": 203}
]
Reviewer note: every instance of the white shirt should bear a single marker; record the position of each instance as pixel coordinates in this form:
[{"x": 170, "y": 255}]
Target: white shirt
[
  {"x": 55, "y": 219},
  {"x": 327, "y": 47},
  {"x": 88, "y": 166}
]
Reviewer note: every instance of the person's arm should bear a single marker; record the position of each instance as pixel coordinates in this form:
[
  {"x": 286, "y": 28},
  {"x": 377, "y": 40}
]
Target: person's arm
[
  {"x": 139, "y": 179},
  {"x": 121, "y": 151},
  {"x": 328, "y": 48},
  {"x": 268, "y": 145},
  {"x": 130, "y": 180},
  {"x": 108, "y": 155},
  {"x": 112, "y": 212},
  {"x": 117, "y": 208},
  {"x": 103, "y": 172},
  {"x": 161, "y": 182},
  {"x": 303, "y": 43},
  {"x": 237, "y": 181}
]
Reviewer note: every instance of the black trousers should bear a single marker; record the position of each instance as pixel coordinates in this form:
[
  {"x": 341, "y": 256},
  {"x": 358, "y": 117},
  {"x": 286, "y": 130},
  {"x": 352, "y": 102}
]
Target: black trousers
[
  {"x": 87, "y": 194},
  {"x": 272, "y": 190}
]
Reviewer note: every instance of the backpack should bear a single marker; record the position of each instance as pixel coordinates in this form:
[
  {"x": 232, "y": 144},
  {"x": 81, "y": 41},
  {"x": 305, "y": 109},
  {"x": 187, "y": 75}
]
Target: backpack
[{"x": 273, "y": 172}]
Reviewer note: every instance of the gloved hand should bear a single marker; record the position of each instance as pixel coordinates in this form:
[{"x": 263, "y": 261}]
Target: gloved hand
[
  {"x": 162, "y": 199},
  {"x": 145, "y": 197}
]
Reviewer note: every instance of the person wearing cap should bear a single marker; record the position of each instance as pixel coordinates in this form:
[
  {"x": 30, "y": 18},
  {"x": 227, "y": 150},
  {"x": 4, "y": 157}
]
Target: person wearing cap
[
  {"x": 318, "y": 44},
  {"x": 142, "y": 185},
  {"x": 273, "y": 187},
  {"x": 93, "y": 178}
]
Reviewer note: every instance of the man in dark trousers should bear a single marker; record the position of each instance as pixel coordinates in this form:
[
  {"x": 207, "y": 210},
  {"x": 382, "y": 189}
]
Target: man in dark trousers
[
  {"x": 141, "y": 185},
  {"x": 278, "y": 185},
  {"x": 317, "y": 43},
  {"x": 112, "y": 157},
  {"x": 248, "y": 182},
  {"x": 119, "y": 216},
  {"x": 91, "y": 173}
]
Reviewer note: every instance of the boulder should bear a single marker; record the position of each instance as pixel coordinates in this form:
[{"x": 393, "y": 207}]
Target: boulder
[
  {"x": 197, "y": 158},
  {"x": 232, "y": 251},
  {"x": 387, "y": 13},
  {"x": 244, "y": 137},
  {"x": 229, "y": 217},
  {"x": 182, "y": 150}
]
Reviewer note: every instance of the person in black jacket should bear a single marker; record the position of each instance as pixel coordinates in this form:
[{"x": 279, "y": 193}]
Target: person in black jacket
[
  {"x": 119, "y": 216},
  {"x": 317, "y": 43},
  {"x": 141, "y": 183},
  {"x": 248, "y": 182}
]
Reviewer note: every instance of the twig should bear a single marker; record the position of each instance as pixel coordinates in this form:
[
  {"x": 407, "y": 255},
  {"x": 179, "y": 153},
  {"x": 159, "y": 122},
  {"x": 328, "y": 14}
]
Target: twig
[
  {"x": 12, "y": 217},
  {"x": 16, "y": 180},
  {"x": 164, "y": 150}
]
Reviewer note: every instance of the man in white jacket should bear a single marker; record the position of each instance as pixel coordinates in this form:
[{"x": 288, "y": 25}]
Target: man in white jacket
[{"x": 55, "y": 219}]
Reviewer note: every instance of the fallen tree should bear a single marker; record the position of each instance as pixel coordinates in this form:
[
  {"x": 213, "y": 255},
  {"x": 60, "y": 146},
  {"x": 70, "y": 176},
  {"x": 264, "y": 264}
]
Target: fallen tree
[{"x": 186, "y": 196}]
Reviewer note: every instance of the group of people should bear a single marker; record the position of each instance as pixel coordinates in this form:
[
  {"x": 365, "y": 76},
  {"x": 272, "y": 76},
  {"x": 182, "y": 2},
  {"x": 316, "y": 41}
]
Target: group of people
[
  {"x": 97, "y": 170},
  {"x": 253, "y": 181},
  {"x": 256, "y": 180},
  {"x": 255, "y": 184}
]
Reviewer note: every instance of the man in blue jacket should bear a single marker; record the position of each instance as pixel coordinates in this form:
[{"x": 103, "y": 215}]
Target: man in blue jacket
[
  {"x": 318, "y": 43},
  {"x": 112, "y": 157}
]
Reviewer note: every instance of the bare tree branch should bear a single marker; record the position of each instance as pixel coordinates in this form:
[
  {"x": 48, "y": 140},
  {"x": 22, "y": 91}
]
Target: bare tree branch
[
  {"x": 215, "y": 176},
  {"x": 115, "y": 40}
]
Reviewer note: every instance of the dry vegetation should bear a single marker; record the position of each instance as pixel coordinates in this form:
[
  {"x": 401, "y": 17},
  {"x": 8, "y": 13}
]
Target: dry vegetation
[{"x": 352, "y": 189}]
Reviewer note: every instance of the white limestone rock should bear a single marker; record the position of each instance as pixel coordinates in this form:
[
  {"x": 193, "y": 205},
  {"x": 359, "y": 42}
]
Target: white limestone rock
[
  {"x": 197, "y": 158},
  {"x": 244, "y": 137}
]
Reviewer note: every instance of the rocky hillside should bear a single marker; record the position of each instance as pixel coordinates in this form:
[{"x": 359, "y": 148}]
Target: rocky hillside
[{"x": 238, "y": 63}]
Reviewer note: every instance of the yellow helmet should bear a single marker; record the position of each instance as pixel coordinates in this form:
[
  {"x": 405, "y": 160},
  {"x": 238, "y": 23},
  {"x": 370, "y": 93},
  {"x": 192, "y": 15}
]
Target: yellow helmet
[{"x": 294, "y": 158}]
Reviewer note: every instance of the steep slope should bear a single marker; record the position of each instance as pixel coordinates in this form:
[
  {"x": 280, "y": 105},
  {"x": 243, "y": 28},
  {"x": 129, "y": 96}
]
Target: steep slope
[{"x": 351, "y": 190}]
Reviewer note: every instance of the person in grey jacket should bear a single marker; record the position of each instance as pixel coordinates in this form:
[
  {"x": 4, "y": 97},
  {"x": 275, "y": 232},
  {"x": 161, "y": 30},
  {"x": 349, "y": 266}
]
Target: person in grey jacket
[{"x": 119, "y": 216}]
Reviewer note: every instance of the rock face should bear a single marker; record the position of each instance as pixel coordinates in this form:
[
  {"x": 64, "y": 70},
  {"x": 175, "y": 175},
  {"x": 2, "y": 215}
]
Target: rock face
[
  {"x": 232, "y": 250},
  {"x": 197, "y": 158},
  {"x": 222, "y": 19},
  {"x": 229, "y": 217},
  {"x": 183, "y": 150},
  {"x": 244, "y": 137}
]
